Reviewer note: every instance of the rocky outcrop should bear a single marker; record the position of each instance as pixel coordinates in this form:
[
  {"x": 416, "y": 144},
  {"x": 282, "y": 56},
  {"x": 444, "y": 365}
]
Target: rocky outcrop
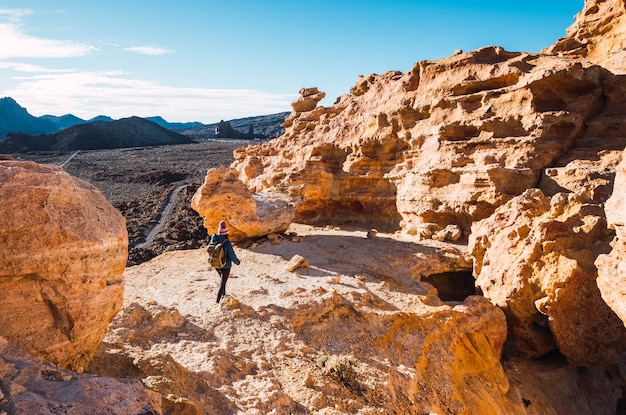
[
  {"x": 224, "y": 197},
  {"x": 29, "y": 386},
  {"x": 64, "y": 249},
  {"x": 612, "y": 267},
  {"x": 597, "y": 35},
  {"x": 443, "y": 144},
  {"x": 534, "y": 258}
]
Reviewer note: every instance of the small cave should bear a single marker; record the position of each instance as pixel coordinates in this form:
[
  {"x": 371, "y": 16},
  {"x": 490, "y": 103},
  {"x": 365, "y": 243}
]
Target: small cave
[{"x": 454, "y": 286}]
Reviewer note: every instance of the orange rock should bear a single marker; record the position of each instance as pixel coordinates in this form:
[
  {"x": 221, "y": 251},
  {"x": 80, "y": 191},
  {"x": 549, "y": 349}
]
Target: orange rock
[
  {"x": 612, "y": 267},
  {"x": 597, "y": 35},
  {"x": 534, "y": 258},
  {"x": 64, "y": 250},
  {"x": 445, "y": 143},
  {"x": 224, "y": 197}
]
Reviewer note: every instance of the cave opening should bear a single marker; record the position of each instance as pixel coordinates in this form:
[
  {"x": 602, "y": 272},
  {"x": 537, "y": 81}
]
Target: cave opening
[{"x": 454, "y": 286}]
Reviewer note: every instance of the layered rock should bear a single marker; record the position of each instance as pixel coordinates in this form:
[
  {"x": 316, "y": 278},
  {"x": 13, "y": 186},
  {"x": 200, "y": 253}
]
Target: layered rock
[
  {"x": 443, "y": 144},
  {"x": 597, "y": 35},
  {"x": 535, "y": 259},
  {"x": 223, "y": 196},
  {"x": 612, "y": 267},
  {"x": 29, "y": 386},
  {"x": 64, "y": 250}
]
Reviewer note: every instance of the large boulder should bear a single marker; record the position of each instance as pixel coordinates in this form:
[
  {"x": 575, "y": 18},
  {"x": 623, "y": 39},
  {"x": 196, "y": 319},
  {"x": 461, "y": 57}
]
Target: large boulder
[
  {"x": 612, "y": 267},
  {"x": 224, "y": 197},
  {"x": 534, "y": 258},
  {"x": 64, "y": 250}
]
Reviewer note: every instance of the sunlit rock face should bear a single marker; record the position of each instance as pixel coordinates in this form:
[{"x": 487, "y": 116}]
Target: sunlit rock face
[
  {"x": 534, "y": 258},
  {"x": 223, "y": 196},
  {"x": 597, "y": 35},
  {"x": 443, "y": 144},
  {"x": 612, "y": 267},
  {"x": 64, "y": 250}
]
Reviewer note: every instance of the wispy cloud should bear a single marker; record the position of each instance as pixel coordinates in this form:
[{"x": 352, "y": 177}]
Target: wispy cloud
[
  {"x": 17, "y": 44},
  {"x": 87, "y": 94},
  {"x": 26, "y": 67},
  {"x": 15, "y": 14},
  {"x": 149, "y": 50}
]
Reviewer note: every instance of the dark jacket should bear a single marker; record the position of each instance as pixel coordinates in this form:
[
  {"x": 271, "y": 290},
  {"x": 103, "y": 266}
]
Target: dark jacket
[{"x": 229, "y": 252}]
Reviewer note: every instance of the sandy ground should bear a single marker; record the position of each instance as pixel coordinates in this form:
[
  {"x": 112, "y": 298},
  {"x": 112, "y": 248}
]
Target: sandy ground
[{"x": 253, "y": 349}]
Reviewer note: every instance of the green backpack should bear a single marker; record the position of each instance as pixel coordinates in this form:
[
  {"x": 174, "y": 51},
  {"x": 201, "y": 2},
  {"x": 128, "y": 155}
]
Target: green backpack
[{"x": 216, "y": 254}]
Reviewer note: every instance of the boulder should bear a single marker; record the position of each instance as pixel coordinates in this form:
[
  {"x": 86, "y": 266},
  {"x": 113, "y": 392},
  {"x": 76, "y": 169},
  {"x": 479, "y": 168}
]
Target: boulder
[
  {"x": 534, "y": 258},
  {"x": 64, "y": 250},
  {"x": 224, "y": 197},
  {"x": 35, "y": 387},
  {"x": 612, "y": 267}
]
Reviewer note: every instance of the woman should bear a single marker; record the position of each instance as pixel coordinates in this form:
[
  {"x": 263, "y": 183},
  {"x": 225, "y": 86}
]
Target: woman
[{"x": 229, "y": 255}]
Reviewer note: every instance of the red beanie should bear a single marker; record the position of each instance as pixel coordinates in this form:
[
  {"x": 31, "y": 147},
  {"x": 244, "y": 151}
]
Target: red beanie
[{"x": 222, "y": 229}]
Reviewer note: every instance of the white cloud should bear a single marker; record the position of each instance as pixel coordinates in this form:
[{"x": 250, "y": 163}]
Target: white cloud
[
  {"x": 26, "y": 67},
  {"x": 18, "y": 44},
  {"x": 88, "y": 94},
  {"x": 149, "y": 50},
  {"x": 15, "y": 14}
]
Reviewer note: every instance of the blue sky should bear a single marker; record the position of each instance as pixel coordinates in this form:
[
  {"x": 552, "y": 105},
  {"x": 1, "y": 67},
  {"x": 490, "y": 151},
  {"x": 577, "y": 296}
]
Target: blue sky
[{"x": 207, "y": 60}]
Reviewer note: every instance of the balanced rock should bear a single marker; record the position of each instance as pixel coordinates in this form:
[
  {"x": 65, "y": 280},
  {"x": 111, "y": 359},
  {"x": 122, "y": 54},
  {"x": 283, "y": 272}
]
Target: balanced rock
[
  {"x": 224, "y": 197},
  {"x": 534, "y": 258},
  {"x": 64, "y": 250},
  {"x": 612, "y": 267}
]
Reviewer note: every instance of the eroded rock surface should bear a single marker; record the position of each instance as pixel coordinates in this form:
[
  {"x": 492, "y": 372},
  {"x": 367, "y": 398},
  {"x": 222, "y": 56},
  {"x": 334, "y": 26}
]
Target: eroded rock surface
[
  {"x": 612, "y": 267},
  {"x": 534, "y": 258},
  {"x": 64, "y": 249},
  {"x": 445, "y": 143},
  {"x": 597, "y": 35}
]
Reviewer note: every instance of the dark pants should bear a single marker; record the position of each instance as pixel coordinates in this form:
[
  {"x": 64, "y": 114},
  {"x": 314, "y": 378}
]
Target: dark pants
[{"x": 224, "y": 273}]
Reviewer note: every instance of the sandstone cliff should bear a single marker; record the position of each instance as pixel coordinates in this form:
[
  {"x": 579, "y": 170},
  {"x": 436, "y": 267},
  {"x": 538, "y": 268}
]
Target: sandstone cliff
[
  {"x": 597, "y": 36},
  {"x": 64, "y": 249}
]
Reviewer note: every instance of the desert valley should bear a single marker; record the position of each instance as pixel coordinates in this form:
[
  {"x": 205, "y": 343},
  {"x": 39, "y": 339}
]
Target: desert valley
[{"x": 447, "y": 240}]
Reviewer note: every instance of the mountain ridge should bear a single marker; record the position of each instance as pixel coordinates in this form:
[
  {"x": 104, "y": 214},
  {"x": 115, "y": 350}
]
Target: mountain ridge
[
  {"x": 123, "y": 133},
  {"x": 17, "y": 120}
]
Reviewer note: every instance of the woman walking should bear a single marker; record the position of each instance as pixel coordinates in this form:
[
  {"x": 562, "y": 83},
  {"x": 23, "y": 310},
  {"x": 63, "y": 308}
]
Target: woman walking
[{"x": 229, "y": 255}]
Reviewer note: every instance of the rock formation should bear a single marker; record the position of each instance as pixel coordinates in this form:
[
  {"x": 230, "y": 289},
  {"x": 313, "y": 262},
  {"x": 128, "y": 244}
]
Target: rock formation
[
  {"x": 64, "y": 249},
  {"x": 612, "y": 267},
  {"x": 29, "y": 386},
  {"x": 444, "y": 144},
  {"x": 534, "y": 258},
  {"x": 597, "y": 35},
  {"x": 224, "y": 197}
]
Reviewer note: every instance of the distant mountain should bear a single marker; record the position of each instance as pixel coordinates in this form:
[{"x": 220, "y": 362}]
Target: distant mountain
[
  {"x": 14, "y": 118},
  {"x": 174, "y": 125},
  {"x": 126, "y": 132},
  {"x": 102, "y": 118},
  {"x": 263, "y": 126},
  {"x": 64, "y": 121}
]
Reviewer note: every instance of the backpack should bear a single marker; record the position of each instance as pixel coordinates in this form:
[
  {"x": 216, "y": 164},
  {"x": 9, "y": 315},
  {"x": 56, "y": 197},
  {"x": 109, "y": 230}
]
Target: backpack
[{"x": 216, "y": 254}]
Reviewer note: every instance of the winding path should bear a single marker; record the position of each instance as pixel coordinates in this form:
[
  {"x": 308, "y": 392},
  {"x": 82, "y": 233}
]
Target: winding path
[
  {"x": 67, "y": 160},
  {"x": 171, "y": 201}
]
